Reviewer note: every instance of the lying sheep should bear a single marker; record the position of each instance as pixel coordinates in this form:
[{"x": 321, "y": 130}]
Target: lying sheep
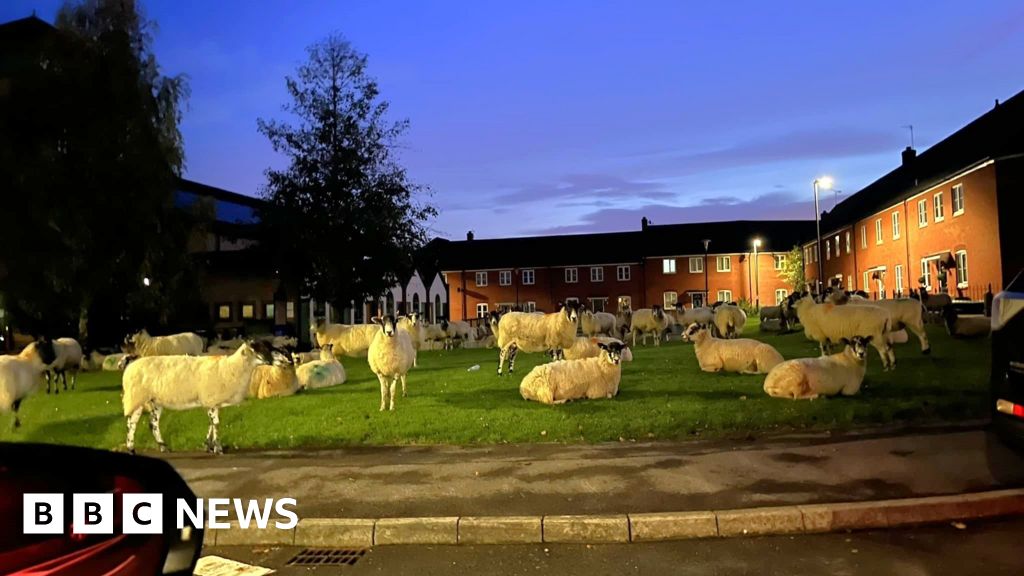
[
  {"x": 729, "y": 320},
  {"x": 905, "y": 313},
  {"x": 69, "y": 357},
  {"x": 21, "y": 375},
  {"x": 142, "y": 344},
  {"x": 391, "y": 355},
  {"x": 275, "y": 380},
  {"x": 743, "y": 355},
  {"x": 560, "y": 382},
  {"x": 521, "y": 331},
  {"x": 114, "y": 362},
  {"x": 321, "y": 373},
  {"x": 808, "y": 378},
  {"x": 93, "y": 362},
  {"x": 650, "y": 321},
  {"x": 828, "y": 323},
  {"x": 153, "y": 383},
  {"x": 966, "y": 325},
  {"x": 594, "y": 323},
  {"x": 300, "y": 358},
  {"x": 589, "y": 347}
]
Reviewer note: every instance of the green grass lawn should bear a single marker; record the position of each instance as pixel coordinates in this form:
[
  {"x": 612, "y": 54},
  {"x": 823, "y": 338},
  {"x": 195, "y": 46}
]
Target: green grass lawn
[{"x": 663, "y": 396}]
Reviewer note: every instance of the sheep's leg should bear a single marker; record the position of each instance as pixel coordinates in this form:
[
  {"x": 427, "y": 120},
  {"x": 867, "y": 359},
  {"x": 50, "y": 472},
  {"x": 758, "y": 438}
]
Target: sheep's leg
[
  {"x": 133, "y": 421},
  {"x": 74, "y": 378},
  {"x": 402, "y": 378},
  {"x": 512, "y": 358},
  {"x": 394, "y": 386},
  {"x": 383, "y": 393},
  {"x": 64, "y": 379},
  {"x": 923, "y": 337},
  {"x": 14, "y": 408},
  {"x": 154, "y": 426},
  {"x": 212, "y": 441},
  {"x": 502, "y": 354},
  {"x": 51, "y": 377}
]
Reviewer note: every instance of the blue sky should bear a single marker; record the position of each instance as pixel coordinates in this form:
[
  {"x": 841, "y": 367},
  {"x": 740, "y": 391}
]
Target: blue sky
[{"x": 536, "y": 117}]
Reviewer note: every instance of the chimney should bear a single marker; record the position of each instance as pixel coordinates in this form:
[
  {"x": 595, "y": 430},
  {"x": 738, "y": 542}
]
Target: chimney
[
  {"x": 644, "y": 222},
  {"x": 908, "y": 155},
  {"x": 469, "y": 235}
]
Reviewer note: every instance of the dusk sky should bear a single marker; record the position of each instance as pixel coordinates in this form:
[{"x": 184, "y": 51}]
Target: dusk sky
[{"x": 535, "y": 117}]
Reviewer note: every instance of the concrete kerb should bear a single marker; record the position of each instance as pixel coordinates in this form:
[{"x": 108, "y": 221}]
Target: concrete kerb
[{"x": 644, "y": 527}]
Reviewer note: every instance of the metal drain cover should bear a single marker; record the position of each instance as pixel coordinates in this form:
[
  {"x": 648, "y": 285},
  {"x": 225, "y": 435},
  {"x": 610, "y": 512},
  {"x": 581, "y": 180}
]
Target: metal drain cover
[{"x": 327, "y": 557}]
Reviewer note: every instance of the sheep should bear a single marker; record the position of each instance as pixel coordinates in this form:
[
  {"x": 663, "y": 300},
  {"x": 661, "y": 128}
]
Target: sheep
[
  {"x": 411, "y": 324},
  {"x": 594, "y": 323},
  {"x": 649, "y": 321},
  {"x": 391, "y": 355},
  {"x": 21, "y": 375},
  {"x": 565, "y": 380},
  {"x": 456, "y": 330},
  {"x": 323, "y": 332},
  {"x": 589, "y": 347},
  {"x": 767, "y": 314},
  {"x": 321, "y": 373},
  {"x": 827, "y": 323},
  {"x": 433, "y": 333},
  {"x": 93, "y": 362},
  {"x": 300, "y": 358},
  {"x": 281, "y": 342},
  {"x": 904, "y": 312},
  {"x": 353, "y": 341},
  {"x": 687, "y": 316},
  {"x": 521, "y": 331},
  {"x": 143, "y": 344},
  {"x": 68, "y": 357},
  {"x": 624, "y": 320},
  {"x": 808, "y": 378},
  {"x": 743, "y": 355},
  {"x": 113, "y": 362},
  {"x": 935, "y": 304},
  {"x": 729, "y": 320},
  {"x": 273, "y": 381},
  {"x": 153, "y": 383},
  {"x": 966, "y": 325}
]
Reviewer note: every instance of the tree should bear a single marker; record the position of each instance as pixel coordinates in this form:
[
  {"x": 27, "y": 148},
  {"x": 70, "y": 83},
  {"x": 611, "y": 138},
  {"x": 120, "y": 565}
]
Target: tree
[
  {"x": 793, "y": 269},
  {"x": 90, "y": 150},
  {"x": 344, "y": 220}
]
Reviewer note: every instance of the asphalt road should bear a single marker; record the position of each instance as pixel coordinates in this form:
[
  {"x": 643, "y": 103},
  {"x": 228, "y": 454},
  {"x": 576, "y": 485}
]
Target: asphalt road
[{"x": 992, "y": 548}]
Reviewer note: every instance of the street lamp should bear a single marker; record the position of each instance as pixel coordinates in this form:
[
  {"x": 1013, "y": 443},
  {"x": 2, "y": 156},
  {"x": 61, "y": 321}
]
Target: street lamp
[
  {"x": 823, "y": 183},
  {"x": 145, "y": 281},
  {"x": 757, "y": 288},
  {"x": 707, "y": 243}
]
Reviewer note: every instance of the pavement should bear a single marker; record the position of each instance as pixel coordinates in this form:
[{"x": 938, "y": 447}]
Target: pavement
[{"x": 991, "y": 548}]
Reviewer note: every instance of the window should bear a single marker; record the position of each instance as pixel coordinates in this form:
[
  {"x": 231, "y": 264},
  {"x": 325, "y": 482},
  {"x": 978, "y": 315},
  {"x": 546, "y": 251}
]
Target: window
[
  {"x": 597, "y": 274},
  {"x": 530, "y": 306},
  {"x": 828, "y": 250},
  {"x": 598, "y": 304},
  {"x": 926, "y": 271},
  {"x": 696, "y": 265},
  {"x": 863, "y": 237},
  {"x": 878, "y": 231},
  {"x": 697, "y": 299},
  {"x": 224, "y": 312},
  {"x": 895, "y": 225},
  {"x": 248, "y": 311},
  {"x": 849, "y": 283},
  {"x": 780, "y": 295},
  {"x": 958, "y": 199},
  {"x": 837, "y": 246},
  {"x": 505, "y": 307},
  {"x": 572, "y": 300},
  {"x": 725, "y": 295},
  {"x": 572, "y": 275},
  {"x": 922, "y": 213},
  {"x": 481, "y": 279},
  {"x": 528, "y": 277},
  {"x": 961, "y": 269},
  {"x": 779, "y": 261},
  {"x": 939, "y": 208},
  {"x": 867, "y": 282},
  {"x": 898, "y": 271},
  {"x": 668, "y": 266},
  {"x": 505, "y": 278},
  {"x": 268, "y": 310},
  {"x": 481, "y": 310},
  {"x": 625, "y": 303},
  {"x": 416, "y": 305},
  {"x": 669, "y": 298},
  {"x": 289, "y": 310},
  {"x": 847, "y": 241},
  {"x": 437, "y": 311},
  {"x": 724, "y": 263},
  {"x": 622, "y": 273}
]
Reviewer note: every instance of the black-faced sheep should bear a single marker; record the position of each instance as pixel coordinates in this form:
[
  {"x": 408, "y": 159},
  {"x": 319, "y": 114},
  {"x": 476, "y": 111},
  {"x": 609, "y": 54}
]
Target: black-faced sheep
[
  {"x": 808, "y": 378},
  {"x": 21, "y": 375},
  {"x": 531, "y": 333},
  {"x": 565, "y": 380},
  {"x": 651, "y": 320},
  {"x": 830, "y": 323},
  {"x": 597, "y": 323},
  {"x": 68, "y": 358},
  {"x": 742, "y": 355},
  {"x": 142, "y": 344},
  {"x": 390, "y": 356},
  {"x": 729, "y": 320},
  {"x": 321, "y": 373},
  {"x": 905, "y": 313}
]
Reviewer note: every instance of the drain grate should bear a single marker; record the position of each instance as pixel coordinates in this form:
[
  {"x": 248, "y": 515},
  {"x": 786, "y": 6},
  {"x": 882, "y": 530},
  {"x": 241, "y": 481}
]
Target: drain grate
[{"x": 327, "y": 557}]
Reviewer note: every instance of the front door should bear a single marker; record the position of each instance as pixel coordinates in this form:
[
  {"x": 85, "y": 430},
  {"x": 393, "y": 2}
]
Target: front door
[{"x": 697, "y": 299}]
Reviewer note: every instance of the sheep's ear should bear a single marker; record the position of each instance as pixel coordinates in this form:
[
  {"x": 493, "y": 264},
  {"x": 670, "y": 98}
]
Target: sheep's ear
[
  {"x": 602, "y": 346},
  {"x": 868, "y": 339},
  {"x": 376, "y": 320},
  {"x": 844, "y": 341}
]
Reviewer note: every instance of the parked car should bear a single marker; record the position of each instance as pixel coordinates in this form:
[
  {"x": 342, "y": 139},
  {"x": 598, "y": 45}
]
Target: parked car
[{"x": 1007, "y": 379}]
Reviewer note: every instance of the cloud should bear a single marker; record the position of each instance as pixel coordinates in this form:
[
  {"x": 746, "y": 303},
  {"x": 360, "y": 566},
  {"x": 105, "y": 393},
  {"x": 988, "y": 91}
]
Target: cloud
[
  {"x": 588, "y": 187},
  {"x": 769, "y": 206}
]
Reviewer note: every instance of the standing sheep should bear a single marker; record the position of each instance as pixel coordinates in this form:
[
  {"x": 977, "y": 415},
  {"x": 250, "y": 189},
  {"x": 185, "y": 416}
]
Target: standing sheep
[
  {"x": 594, "y": 323},
  {"x": 322, "y": 373},
  {"x": 69, "y": 356},
  {"x": 536, "y": 333},
  {"x": 905, "y": 313},
  {"x": 729, "y": 320},
  {"x": 743, "y": 355},
  {"x": 565, "y": 380},
  {"x": 153, "y": 383},
  {"x": 352, "y": 341},
  {"x": 456, "y": 330},
  {"x": 808, "y": 378},
  {"x": 411, "y": 324},
  {"x": 391, "y": 355},
  {"x": 20, "y": 375},
  {"x": 624, "y": 321},
  {"x": 142, "y": 344},
  {"x": 828, "y": 323},
  {"x": 649, "y": 321},
  {"x": 686, "y": 316}
]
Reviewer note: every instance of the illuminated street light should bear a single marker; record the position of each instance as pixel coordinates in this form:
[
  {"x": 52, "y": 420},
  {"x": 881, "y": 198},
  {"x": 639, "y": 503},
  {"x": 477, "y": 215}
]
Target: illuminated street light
[
  {"x": 823, "y": 183},
  {"x": 757, "y": 288},
  {"x": 145, "y": 281}
]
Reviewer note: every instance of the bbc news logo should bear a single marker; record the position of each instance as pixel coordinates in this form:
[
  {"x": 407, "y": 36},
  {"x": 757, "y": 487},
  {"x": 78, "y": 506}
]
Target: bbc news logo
[{"x": 144, "y": 513}]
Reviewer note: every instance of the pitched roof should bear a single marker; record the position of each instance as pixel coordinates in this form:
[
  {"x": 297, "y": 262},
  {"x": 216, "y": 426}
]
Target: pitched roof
[{"x": 995, "y": 134}]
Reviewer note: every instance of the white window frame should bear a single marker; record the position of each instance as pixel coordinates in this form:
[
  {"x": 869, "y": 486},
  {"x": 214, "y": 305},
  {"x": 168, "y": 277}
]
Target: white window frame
[
  {"x": 838, "y": 249},
  {"x": 597, "y": 273},
  {"x": 724, "y": 295},
  {"x": 728, "y": 263},
  {"x": 778, "y": 261},
  {"x": 528, "y": 276},
  {"x": 867, "y": 282},
  {"x": 849, "y": 283},
  {"x": 878, "y": 231},
  {"x": 289, "y": 310},
  {"x": 668, "y": 265},
  {"x": 828, "y": 249},
  {"x": 898, "y": 274},
  {"x": 895, "y": 225},
  {"x": 696, "y": 264},
  {"x": 958, "y": 190},
  {"x": 962, "y": 269},
  {"x": 624, "y": 300},
  {"x": 529, "y": 306},
  {"x": 780, "y": 295},
  {"x": 926, "y": 270},
  {"x": 922, "y": 212},
  {"x": 572, "y": 300},
  {"x": 504, "y": 306},
  {"x": 604, "y": 303},
  {"x": 504, "y": 277},
  {"x": 481, "y": 310},
  {"x": 669, "y": 299},
  {"x": 481, "y": 279},
  {"x": 572, "y": 275},
  {"x": 622, "y": 273},
  {"x": 938, "y": 210},
  {"x": 863, "y": 237},
  {"x": 848, "y": 245}
]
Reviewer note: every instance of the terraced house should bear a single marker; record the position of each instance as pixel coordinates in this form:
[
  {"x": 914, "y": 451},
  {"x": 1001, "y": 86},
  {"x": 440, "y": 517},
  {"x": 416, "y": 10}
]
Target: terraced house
[{"x": 945, "y": 219}]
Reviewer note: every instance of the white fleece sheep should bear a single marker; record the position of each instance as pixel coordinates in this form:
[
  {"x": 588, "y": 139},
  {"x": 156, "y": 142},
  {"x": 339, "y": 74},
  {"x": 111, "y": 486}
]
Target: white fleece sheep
[
  {"x": 413, "y": 326},
  {"x": 433, "y": 334},
  {"x": 112, "y": 362},
  {"x": 142, "y": 344},
  {"x": 594, "y": 323},
  {"x": 589, "y": 347},
  {"x": 321, "y": 373},
  {"x": 743, "y": 355},
  {"x": 808, "y": 378},
  {"x": 300, "y": 358},
  {"x": 21, "y": 375},
  {"x": 526, "y": 332},
  {"x": 565, "y": 380},
  {"x": 729, "y": 320},
  {"x": 650, "y": 321},
  {"x": 904, "y": 312},
  {"x": 273, "y": 381},
  {"x": 68, "y": 358},
  {"x": 687, "y": 316},
  {"x": 390, "y": 358},
  {"x": 352, "y": 341},
  {"x": 456, "y": 330},
  {"x": 830, "y": 323},
  {"x": 623, "y": 321},
  {"x": 323, "y": 332},
  {"x": 181, "y": 382}
]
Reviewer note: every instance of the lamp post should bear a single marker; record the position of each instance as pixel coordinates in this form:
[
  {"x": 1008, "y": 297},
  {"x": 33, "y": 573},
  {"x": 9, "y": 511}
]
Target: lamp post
[
  {"x": 757, "y": 287},
  {"x": 707, "y": 243},
  {"x": 824, "y": 183}
]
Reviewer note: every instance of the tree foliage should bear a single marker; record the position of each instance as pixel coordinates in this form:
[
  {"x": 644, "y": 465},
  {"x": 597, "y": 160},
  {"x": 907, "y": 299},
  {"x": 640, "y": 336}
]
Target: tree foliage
[
  {"x": 89, "y": 154},
  {"x": 345, "y": 219},
  {"x": 793, "y": 269}
]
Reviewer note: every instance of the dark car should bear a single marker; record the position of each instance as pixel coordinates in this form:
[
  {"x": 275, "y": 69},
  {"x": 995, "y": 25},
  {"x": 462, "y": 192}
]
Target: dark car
[{"x": 1007, "y": 379}]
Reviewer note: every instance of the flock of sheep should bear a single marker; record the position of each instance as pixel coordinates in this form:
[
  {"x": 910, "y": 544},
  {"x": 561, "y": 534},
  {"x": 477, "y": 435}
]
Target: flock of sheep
[{"x": 176, "y": 373}]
